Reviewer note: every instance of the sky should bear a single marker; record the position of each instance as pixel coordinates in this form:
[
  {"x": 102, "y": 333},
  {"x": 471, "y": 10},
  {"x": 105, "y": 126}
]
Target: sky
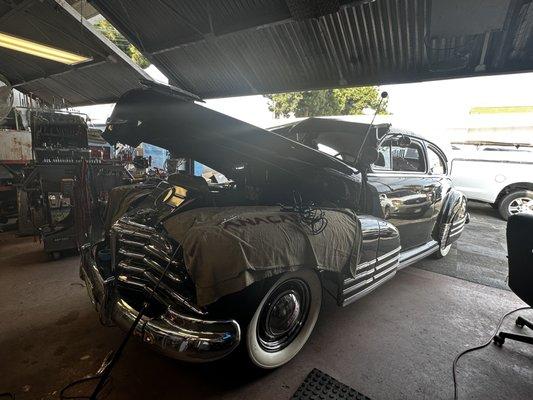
[{"x": 428, "y": 108}]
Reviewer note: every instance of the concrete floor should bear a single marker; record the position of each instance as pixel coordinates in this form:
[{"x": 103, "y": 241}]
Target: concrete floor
[
  {"x": 480, "y": 254},
  {"x": 397, "y": 343}
]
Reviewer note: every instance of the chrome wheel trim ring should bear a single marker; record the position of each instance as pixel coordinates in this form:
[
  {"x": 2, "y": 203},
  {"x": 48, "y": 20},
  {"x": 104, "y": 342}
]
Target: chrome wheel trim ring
[
  {"x": 273, "y": 359},
  {"x": 283, "y": 315},
  {"x": 520, "y": 205}
]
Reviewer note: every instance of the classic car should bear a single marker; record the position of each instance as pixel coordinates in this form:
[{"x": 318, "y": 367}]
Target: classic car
[{"x": 213, "y": 267}]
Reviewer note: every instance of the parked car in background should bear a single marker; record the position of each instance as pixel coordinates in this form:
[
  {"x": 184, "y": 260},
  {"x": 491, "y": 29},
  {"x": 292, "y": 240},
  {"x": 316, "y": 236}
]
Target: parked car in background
[
  {"x": 499, "y": 175},
  {"x": 315, "y": 204}
]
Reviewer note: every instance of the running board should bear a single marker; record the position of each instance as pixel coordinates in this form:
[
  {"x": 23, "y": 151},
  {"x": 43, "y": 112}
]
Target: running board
[{"x": 411, "y": 256}]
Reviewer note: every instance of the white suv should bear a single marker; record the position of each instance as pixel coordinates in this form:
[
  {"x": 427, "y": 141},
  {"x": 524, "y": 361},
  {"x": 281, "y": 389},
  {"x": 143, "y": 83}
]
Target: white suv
[{"x": 499, "y": 175}]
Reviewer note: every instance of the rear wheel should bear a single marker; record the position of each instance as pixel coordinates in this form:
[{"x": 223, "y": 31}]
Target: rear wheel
[
  {"x": 442, "y": 252},
  {"x": 284, "y": 319},
  {"x": 516, "y": 202}
]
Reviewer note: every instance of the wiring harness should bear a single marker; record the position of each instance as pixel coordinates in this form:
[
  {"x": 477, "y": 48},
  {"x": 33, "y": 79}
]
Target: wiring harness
[{"x": 308, "y": 213}]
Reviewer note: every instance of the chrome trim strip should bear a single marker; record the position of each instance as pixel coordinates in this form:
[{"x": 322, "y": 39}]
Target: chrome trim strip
[
  {"x": 385, "y": 272},
  {"x": 388, "y": 262},
  {"x": 364, "y": 274},
  {"x": 457, "y": 228},
  {"x": 455, "y": 233},
  {"x": 360, "y": 269},
  {"x": 365, "y": 264},
  {"x": 131, "y": 254},
  {"x": 131, "y": 242},
  {"x": 173, "y": 294},
  {"x": 141, "y": 286},
  {"x": 160, "y": 242},
  {"x": 359, "y": 285},
  {"x": 377, "y": 267},
  {"x": 459, "y": 222},
  {"x": 151, "y": 263},
  {"x": 125, "y": 226},
  {"x": 396, "y": 250},
  {"x": 125, "y": 231},
  {"x": 350, "y": 281},
  {"x": 158, "y": 253},
  {"x": 366, "y": 291},
  {"x": 416, "y": 254},
  {"x": 131, "y": 268},
  {"x": 454, "y": 228},
  {"x": 128, "y": 221}
]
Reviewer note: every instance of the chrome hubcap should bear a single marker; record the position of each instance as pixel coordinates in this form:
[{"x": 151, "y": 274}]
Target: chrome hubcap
[
  {"x": 283, "y": 315},
  {"x": 521, "y": 205}
]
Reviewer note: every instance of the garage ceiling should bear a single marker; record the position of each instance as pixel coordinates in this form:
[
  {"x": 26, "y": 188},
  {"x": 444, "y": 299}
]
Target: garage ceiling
[
  {"x": 239, "y": 47},
  {"x": 57, "y": 24}
]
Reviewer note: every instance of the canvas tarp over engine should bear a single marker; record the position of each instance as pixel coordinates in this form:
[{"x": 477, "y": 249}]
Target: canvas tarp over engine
[{"x": 228, "y": 248}]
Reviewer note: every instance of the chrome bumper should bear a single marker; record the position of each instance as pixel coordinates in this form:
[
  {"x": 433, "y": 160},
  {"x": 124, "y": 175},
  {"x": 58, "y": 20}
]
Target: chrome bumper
[{"x": 175, "y": 335}]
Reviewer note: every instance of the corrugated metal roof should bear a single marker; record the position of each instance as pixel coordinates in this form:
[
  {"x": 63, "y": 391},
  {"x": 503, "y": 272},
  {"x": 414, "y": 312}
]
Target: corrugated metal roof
[
  {"x": 239, "y": 47},
  {"x": 104, "y": 79}
]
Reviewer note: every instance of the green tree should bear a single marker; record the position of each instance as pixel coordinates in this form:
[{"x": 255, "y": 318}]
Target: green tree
[
  {"x": 315, "y": 103},
  {"x": 122, "y": 43}
]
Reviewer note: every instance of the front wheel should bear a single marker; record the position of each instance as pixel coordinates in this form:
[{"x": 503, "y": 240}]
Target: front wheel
[{"x": 284, "y": 319}]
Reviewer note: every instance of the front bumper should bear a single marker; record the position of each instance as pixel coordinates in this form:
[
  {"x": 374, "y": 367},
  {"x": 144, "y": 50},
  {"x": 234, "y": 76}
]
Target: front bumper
[{"x": 174, "y": 334}]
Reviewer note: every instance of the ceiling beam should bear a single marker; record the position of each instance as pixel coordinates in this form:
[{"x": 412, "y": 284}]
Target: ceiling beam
[
  {"x": 115, "y": 53},
  {"x": 15, "y": 10}
]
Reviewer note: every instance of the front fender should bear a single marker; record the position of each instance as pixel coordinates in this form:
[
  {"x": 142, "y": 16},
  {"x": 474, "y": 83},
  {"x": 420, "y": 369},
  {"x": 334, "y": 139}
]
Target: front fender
[{"x": 451, "y": 219}]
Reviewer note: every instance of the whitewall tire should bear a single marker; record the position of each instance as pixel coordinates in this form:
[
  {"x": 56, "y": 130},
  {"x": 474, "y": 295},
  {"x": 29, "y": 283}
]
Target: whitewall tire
[
  {"x": 284, "y": 319},
  {"x": 442, "y": 252}
]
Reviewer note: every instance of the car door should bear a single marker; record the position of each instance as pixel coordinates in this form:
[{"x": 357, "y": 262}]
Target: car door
[
  {"x": 407, "y": 192},
  {"x": 438, "y": 176}
]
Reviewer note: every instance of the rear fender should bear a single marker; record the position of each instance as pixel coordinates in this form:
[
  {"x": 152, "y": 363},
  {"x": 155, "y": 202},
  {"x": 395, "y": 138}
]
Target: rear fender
[{"x": 452, "y": 218}]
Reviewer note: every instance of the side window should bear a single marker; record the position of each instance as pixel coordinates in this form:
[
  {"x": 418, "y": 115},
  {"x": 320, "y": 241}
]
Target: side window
[
  {"x": 384, "y": 162},
  {"x": 208, "y": 173},
  {"x": 407, "y": 158},
  {"x": 436, "y": 164}
]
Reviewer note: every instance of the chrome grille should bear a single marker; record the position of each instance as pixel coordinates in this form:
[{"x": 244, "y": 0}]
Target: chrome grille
[{"x": 140, "y": 256}]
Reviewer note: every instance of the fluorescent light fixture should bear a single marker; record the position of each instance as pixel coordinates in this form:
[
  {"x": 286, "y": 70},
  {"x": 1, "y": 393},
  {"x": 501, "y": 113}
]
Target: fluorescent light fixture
[{"x": 40, "y": 50}]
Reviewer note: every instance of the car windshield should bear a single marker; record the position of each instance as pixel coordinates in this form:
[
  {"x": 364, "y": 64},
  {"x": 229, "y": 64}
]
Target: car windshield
[{"x": 341, "y": 145}]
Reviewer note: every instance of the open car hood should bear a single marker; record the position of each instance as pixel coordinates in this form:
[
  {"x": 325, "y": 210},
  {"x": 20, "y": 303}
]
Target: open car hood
[{"x": 187, "y": 129}]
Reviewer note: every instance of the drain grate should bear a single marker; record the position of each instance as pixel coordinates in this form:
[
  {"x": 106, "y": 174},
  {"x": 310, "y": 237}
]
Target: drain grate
[{"x": 320, "y": 386}]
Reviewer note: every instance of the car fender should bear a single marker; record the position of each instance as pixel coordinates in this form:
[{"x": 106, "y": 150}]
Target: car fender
[
  {"x": 451, "y": 219},
  {"x": 378, "y": 260}
]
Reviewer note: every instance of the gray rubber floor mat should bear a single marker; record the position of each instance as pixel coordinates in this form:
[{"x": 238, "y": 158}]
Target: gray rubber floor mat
[{"x": 320, "y": 386}]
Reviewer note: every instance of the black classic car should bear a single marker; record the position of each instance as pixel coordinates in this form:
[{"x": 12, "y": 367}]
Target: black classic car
[{"x": 313, "y": 205}]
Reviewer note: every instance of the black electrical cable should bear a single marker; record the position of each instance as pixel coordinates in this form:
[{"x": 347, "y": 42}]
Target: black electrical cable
[
  {"x": 62, "y": 395},
  {"x": 308, "y": 214},
  {"x": 105, "y": 370},
  {"x": 454, "y": 366}
]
